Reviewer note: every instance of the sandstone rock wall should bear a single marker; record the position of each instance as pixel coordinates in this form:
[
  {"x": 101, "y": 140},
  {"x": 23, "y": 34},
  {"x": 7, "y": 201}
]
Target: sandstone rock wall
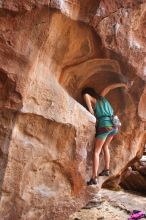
[
  {"x": 47, "y": 132},
  {"x": 46, "y": 135}
]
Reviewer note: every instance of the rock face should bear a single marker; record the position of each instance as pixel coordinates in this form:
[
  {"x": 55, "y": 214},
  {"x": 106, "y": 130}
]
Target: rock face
[
  {"x": 46, "y": 57},
  {"x": 135, "y": 181},
  {"x": 134, "y": 178}
]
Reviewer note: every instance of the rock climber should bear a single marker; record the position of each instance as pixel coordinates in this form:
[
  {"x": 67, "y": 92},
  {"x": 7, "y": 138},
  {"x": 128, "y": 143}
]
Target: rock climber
[{"x": 99, "y": 106}]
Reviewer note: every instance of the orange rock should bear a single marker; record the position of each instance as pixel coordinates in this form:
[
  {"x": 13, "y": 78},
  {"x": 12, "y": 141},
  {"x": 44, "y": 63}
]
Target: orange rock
[{"x": 46, "y": 135}]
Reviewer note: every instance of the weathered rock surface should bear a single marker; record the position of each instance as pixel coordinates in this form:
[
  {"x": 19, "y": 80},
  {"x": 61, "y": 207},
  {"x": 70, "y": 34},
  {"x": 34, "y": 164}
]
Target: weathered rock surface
[
  {"x": 122, "y": 30},
  {"x": 111, "y": 205},
  {"x": 46, "y": 135},
  {"x": 135, "y": 181},
  {"x": 134, "y": 178}
]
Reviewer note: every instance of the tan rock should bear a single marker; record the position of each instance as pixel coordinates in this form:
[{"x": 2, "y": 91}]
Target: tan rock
[
  {"x": 123, "y": 31},
  {"x": 46, "y": 135}
]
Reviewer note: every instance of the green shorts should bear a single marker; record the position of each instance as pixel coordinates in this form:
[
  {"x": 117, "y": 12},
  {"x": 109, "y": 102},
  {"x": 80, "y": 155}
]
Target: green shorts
[{"x": 104, "y": 132}]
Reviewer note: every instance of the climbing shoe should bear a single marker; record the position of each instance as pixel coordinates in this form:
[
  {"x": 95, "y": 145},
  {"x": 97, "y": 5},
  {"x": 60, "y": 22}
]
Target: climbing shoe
[
  {"x": 92, "y": 181},
  {"x": 104, "y": 173}
]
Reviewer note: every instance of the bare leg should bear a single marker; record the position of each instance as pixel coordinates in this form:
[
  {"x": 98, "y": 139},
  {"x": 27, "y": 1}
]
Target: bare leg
[
  {"x": 97, "y": 149},
  {"x": 106, "y": 151}
]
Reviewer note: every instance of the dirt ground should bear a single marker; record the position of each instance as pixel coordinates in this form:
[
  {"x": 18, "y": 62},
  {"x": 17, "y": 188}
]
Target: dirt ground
[{"x": 111, "y": 205}]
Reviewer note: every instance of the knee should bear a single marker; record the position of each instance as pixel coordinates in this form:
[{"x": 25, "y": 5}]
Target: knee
[
  {"x": 96, "y": 151},
  {"x": 105, "y": 148}
]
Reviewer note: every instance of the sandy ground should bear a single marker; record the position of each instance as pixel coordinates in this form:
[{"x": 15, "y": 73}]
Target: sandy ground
[{"x": 110, "y": 205}]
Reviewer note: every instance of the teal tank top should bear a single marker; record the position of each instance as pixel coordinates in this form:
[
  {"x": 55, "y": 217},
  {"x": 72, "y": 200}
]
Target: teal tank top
[{"x": 103, "y": 108}]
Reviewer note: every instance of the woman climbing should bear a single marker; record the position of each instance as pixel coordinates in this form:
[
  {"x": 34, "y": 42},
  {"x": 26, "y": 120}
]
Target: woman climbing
[{"x": 99, "y": 106}]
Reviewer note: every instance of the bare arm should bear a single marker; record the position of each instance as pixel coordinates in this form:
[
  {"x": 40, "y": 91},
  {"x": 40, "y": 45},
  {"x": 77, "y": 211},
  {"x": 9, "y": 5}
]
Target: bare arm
[
  {"x": 88, "y": 101},
  {"x": 113, "y": 86}
]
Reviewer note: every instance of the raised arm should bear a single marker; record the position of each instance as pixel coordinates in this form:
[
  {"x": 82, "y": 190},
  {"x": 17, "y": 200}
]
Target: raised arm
[
  {"x": 113, "y": 86},
  {"x": 88, "y": 100}
]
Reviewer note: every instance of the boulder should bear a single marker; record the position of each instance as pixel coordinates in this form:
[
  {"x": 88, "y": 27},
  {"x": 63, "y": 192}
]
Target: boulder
[{"x": 49, "y": 51}]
